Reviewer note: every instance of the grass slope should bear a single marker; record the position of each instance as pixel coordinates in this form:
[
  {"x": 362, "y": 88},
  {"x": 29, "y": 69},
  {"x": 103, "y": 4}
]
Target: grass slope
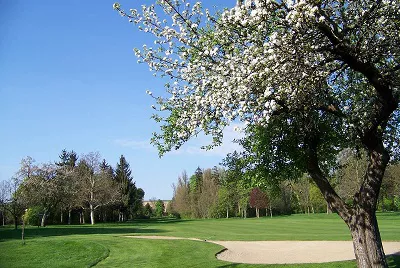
[{"x": 103, "y": 245}]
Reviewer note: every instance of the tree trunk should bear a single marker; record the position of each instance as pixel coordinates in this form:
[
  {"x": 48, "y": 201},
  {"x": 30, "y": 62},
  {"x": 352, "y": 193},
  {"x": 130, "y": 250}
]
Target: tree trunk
[
  {"x": 367, "y": 242},
  {"x": 270, "y": 209},
  {"x": 257, "y": 213},
  {"x": 15, "y": 222},
  {"x": 43, "y": 221},
  {"x": 69, "y": 216},
  {"x": 227, "y": 212},
  {"x": 23, "y": 230},
  {"x": 91, "y": 214},
  {"x": 82, "y": 217},
  {"x": 61, "y": 217},
  {"x": 361, "y": 217}
]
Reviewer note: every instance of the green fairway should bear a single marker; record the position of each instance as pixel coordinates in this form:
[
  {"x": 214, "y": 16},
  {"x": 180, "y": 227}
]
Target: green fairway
[{"x": 104, "y": 245}]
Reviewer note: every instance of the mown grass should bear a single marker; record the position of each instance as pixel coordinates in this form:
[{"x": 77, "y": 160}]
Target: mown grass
[{"x": 104, "y": 245}]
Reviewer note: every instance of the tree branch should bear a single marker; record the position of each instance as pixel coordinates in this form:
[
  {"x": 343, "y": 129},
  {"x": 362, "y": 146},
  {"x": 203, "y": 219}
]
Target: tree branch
[
  {"x": 330, "y": 195},
  {"x": 332, "y": 109}
]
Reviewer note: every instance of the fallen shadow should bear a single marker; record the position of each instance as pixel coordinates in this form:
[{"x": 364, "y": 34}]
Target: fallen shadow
[
  {"x": 32, "y": 232},
  {"x": 230, "y": 265},
  {"x": 160, "y": 220},
  {"x": 393, "y": 260}
]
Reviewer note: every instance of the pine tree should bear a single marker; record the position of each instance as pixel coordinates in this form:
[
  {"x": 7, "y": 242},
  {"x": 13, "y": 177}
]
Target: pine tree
[
  {"x": 67, "y": 159},
  {"x": 64, "y": 157},
  {"x": 126, "y": 187},
  {"x": 72, "y": 160},
  {"x": 106, "y": 168}
]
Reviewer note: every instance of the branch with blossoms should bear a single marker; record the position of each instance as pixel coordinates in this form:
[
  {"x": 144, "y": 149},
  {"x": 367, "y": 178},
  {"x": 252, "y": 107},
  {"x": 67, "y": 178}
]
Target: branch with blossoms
[{"x": 243, "y": 60}]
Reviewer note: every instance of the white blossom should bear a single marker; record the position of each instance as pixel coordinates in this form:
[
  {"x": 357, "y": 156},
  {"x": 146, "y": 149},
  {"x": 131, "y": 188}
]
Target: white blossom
[{"x": 237, "y": 69}]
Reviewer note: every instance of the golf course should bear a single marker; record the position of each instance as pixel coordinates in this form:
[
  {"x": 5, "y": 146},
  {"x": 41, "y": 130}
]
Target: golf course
[{"x": 111, "y": 245}]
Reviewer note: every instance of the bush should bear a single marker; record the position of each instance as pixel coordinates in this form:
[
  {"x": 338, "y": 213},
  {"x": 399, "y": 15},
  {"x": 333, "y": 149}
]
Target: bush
[
  {"x": 175, "y": 215},
  {"x": 31, "y": 215},
  {"x": 397, "y": 203}
]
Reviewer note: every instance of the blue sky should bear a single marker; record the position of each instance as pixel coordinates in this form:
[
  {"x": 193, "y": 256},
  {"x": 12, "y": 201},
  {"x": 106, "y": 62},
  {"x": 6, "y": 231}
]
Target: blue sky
[{"x": 69, "y": 79}]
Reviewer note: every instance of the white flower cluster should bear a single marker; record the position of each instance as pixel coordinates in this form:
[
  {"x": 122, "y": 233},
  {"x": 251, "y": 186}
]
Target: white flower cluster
[{"x": 263, "y": 57}]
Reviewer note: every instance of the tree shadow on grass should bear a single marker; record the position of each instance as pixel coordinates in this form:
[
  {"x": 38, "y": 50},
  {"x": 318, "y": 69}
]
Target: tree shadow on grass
[
  {"x": 160, "y": 220},
  {"x": 31, "y": 232},
  {"x": 393, "y": 260}
]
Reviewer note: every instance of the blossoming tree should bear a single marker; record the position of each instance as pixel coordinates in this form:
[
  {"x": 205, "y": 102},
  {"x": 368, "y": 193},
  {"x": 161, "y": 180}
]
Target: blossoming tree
[{"x": 321, "y": 75}]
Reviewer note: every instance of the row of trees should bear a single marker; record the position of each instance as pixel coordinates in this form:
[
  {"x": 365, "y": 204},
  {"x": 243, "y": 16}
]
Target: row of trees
[
  {"x": 82, "y": 187},
  {"x": 217, "y": 193},
  {"x": 157, "y": 210},
  {"x": 235, "y": 191}
]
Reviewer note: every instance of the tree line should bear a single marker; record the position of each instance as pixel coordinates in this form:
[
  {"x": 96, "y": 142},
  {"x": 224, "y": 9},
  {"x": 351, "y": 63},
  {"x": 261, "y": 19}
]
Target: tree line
[
  {"x": 233, "y": 191},
  {"x": 71, "y": 190}
]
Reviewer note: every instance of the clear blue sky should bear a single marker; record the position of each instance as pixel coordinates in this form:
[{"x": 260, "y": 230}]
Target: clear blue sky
[{"x": 69, "y": 79}]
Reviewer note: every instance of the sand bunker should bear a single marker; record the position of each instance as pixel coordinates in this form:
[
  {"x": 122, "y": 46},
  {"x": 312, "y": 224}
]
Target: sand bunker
[{"x": 280, "y": 252}]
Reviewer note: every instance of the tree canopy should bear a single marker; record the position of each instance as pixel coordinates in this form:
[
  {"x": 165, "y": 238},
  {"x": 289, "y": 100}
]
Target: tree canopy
[{"x": 308, "y": 62}]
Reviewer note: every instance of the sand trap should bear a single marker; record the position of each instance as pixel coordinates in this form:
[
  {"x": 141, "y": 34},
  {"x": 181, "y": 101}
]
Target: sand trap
[{"x": 280, "y": 252}]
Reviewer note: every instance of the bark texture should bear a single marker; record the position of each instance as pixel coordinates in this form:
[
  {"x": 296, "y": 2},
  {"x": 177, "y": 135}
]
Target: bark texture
[
  {"x": 91, "y": 214},
  {"x": 43, "y": 220},
  {"x": 360, "y": 218}
]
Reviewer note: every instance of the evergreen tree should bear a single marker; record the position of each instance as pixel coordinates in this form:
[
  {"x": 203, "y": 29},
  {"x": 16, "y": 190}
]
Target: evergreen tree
[
  {"x": 124, "y": 179},
  {"x": 159, "y": 208},
  {"x": 148, "y": 211},
  {"x": 106, "y": 168},
  {"x": 131, "y": 196},
  {"x": 67, "y": 159},
  {"x": 136, "y": 198},
  {"x": 68, "y": 182},
  {"x": 72, "y": 160},
  {"x": 195, "y": 181},
  {"x": 64, "y": 158}
]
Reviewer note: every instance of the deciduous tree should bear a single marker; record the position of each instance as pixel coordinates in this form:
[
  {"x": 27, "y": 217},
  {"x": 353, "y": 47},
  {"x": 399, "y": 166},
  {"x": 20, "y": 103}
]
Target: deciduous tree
[
  {"x": 258, "y": 199},
  {"x": 181, "y": 197},
  {"x": 321, "y": 76},
  {"x": 208, "y": 195},
  {"x": 11, "y": 200},
  {"x": 42, "y": 188},
  {"x": 97, "y": 189},
  {"x": 3, "y": 200}
]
